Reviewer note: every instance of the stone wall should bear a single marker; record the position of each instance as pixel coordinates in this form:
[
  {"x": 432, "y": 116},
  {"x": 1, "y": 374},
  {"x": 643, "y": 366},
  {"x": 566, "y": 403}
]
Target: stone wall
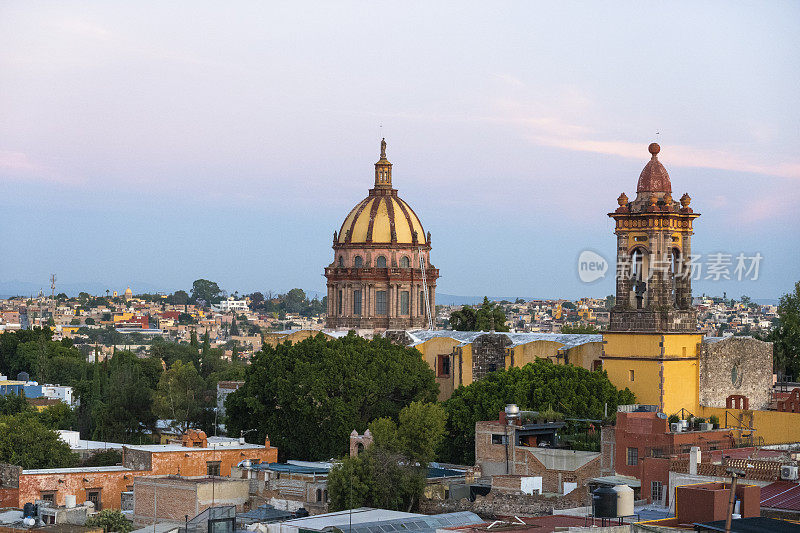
[
  {"x": 502, "y": 504},
  {"x": 488, "y": 354},
  {"x": 9, "y": 476},
  {"x": 736, "y": 365}
]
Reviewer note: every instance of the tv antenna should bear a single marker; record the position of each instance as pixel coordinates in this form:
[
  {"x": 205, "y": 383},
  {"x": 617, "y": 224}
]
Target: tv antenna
[{"x": 52, "y": 285}]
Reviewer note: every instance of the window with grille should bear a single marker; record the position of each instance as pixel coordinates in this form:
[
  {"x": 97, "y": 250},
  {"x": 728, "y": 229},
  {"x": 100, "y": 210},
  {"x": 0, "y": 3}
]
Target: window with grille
[
  {"x": 656, "y": 491},
  {"x": 359, "y": 262},
  {"x": 633, "y": 456},
  {"x": 404, "y": 303},
  {"x": 212, "y": 468},
  {"x": 357, "y": 302},
  {"x": 405, "y": 262},
  {"x": 380, "y": 303},
  {"x": 93, "y": 495},
  {"x": 381, "y": 262}
]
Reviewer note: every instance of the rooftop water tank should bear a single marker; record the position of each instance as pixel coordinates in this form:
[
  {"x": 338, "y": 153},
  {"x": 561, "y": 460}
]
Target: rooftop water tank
[
  {"x": 70, "y": 501},
  {"x": 605, "y": 502},
  {"x": 624, "y": 500}
]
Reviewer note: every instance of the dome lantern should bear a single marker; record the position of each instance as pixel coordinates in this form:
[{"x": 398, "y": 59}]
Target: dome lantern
[{"x": 383, "y": 170}]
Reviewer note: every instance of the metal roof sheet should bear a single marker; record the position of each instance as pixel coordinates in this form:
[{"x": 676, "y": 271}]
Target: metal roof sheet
[
  {"x": 781, "y": 495},
  {"x": 567, "y": 340}
]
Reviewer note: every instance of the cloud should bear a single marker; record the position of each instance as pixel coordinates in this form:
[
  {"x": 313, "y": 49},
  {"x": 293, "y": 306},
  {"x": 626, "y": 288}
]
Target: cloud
[
  {"x": 20, "y": 166},
  {"x": 674, "y": 155}
]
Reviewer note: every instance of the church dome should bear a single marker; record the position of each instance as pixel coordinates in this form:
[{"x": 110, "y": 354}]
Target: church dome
[
  {"x": 654, "y": 177},
  {"x": 381, "y": 219}
]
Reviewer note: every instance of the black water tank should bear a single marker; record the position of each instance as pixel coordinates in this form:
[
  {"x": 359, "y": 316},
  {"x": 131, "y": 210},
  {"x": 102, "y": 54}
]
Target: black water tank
[
  {"x": 29, "y": 510},
  {"x": 23, "y": 376},
  {"x": 605, "y": 502},
  {"x": 301, "y": 513}
]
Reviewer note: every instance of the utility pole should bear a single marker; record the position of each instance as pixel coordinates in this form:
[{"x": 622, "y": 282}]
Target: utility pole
[{"x": 735, "y": 475}]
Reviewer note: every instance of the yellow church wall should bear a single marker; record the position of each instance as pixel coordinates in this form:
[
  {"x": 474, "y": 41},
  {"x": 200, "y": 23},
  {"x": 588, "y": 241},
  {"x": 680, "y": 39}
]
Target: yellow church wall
[
  {"x": 434, "y": 347},
  {"x": 585, "y": 355},
  {"x": 775, "y": 427},
  {"x": 646, "y": 383},
  {"x": 465, "y": 377},
  {"x": 632, "y": 345},
  {"x": 531, "y": 351},
  {"x": 681, "y": 380},
  {"x": 681, "y": 345}
]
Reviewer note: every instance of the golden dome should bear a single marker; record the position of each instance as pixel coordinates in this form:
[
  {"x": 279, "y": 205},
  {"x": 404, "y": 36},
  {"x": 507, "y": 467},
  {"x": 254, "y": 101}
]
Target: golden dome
[{"x": 380, "y": 219}]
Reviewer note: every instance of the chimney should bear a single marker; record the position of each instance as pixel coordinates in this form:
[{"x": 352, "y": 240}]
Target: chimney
[{"x": 694, "y": 460}]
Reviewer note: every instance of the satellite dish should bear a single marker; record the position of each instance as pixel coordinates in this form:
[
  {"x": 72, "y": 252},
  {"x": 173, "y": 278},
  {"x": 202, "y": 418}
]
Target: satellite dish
[{"x": 662, "y": 416}]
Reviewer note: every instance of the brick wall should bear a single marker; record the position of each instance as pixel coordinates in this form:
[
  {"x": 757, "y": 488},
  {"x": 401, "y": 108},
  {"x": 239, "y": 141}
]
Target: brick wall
[
  {"x": 165, "y": 498},
  {"x": 736, "y": 365},
  {"x": 187, "y": 462}
]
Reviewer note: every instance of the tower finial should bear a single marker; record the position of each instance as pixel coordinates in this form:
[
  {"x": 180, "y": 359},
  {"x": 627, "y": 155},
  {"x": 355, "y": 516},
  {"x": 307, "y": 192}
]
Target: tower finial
[{"x": 383, "y": 170}]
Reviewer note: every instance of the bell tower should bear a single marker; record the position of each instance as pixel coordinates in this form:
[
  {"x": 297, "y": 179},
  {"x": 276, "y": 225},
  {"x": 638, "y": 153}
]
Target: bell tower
[
  {"x": 654, "y": 248},
  {"x": 651, "y": 345}
]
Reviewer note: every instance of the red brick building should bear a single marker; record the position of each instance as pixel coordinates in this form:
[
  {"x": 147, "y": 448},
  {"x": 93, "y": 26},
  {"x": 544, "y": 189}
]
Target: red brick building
[
  {"x": 104, "y": 485},
  {"x": 508, "y": 452},
  {"x": 644, "y": 443}
]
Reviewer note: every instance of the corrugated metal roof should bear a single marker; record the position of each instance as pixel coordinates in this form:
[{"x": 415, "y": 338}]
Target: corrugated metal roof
[
  {"x": 781, "y": 495},
  {"x": 567, "y": 340},
  {"x": 418, "y": 524}
]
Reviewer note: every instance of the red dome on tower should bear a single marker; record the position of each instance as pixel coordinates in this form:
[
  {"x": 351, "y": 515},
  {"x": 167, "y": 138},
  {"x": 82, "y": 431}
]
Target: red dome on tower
[{"x": 654, "y": 177}]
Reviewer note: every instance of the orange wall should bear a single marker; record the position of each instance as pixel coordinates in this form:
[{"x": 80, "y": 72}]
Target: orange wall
[{"x": 188, "y": 462}]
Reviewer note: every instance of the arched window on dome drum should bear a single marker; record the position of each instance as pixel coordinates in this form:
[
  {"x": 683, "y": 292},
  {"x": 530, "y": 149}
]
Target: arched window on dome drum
[
  {"x": 358, "y": 262},
  {"x": 380, "y": 262},
  {"x": 341, "y": 261},
  {"x": 405, "y": 262}
]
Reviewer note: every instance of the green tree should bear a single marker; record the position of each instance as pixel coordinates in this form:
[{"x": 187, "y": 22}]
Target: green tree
[
  {"x": 377, "y": 478},
  {"x": 488, "y": 317},
  {"x": 111, "y": 520},
  {"x": 12, "y": 404},
  {"x": 786, "y": 334},
  {"x": 109, "y": 457},
  {"x": 540, "y": 385},
  {"x": 420, "y": 430},
  {"x": 340, "y": 385},
  {"x": 179, "y": 395},
  {"x": 123, "y": 410},
  {"x": 178, "y": 298},
  {"x": 208, "y": 291},
  {"x": 59, "y": 416},
  {"x": 25, "y": 442},
  {"x": 294, "y": 300}
]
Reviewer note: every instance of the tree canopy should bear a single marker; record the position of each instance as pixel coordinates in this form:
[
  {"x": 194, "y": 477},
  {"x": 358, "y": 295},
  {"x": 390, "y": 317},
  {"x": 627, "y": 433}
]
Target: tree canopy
[
  {"x": 26, "y": 442},
  {"x": 573, "y": 391},
  {"x": 207, "y": 291},
  {"x": 488, "y": 317},
  {"x": 309, "y": 396},
  {"x": 786, "y": 335}
]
